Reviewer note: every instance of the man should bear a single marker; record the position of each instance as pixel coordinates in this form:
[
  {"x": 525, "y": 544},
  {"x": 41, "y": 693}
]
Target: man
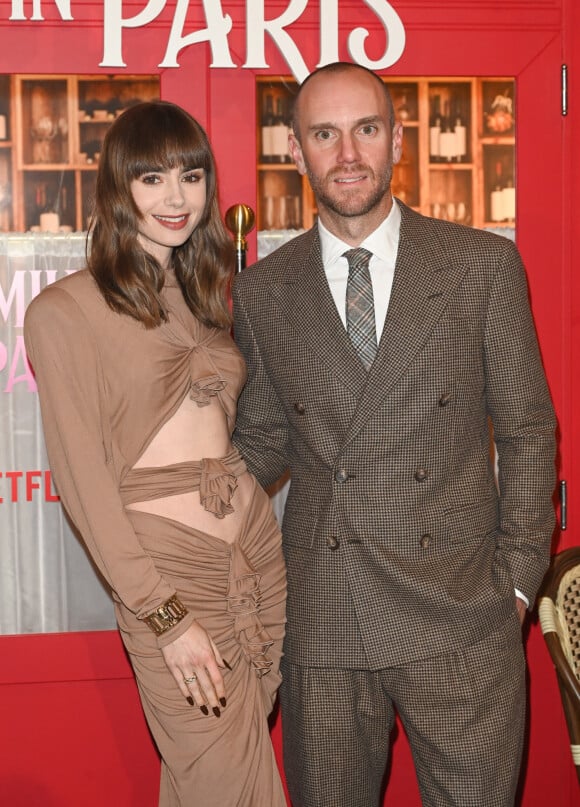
[{"x": 407, "y": 567}]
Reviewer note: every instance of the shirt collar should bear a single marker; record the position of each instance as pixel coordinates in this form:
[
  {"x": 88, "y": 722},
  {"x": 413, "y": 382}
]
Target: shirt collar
[{"x": 383, "y": 242}]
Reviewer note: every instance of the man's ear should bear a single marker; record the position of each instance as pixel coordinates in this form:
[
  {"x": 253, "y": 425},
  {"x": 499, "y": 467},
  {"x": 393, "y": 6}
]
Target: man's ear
[
  {"x": 296, "y": 152},
  {"x": 397, "y": 139}
]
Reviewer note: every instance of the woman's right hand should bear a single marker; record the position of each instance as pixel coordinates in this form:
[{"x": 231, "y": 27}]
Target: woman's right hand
[{"x": 193, "y": 655}]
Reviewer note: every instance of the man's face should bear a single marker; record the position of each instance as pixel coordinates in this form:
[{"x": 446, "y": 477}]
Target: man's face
[{"x": 347, "y": 147}]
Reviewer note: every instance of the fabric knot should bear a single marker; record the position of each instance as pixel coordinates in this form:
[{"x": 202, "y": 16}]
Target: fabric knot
[
  {"x": 204, "y": 389},
  {"x": 217, "y": 485}
]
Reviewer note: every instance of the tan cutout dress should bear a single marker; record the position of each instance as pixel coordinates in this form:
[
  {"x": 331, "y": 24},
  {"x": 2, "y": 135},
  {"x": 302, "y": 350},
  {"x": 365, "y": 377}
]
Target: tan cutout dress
[{"x": 107, "y": 388}]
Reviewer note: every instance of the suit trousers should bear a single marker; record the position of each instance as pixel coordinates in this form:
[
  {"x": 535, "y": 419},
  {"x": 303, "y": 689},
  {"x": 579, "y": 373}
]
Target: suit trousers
[{"x": 463, "y": 712}]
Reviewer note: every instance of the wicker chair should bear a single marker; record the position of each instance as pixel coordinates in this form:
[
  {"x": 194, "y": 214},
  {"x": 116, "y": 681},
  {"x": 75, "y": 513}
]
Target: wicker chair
[{"x": 559, "y": 610}]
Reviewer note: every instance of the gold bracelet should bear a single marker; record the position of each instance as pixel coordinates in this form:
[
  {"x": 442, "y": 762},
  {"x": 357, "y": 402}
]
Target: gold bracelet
[{"x": 166, "y": 616}]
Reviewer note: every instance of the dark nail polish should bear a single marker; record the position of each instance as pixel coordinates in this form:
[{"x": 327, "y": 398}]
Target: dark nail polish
[
  {"x": 189, "y": 699},
  {"x": 227, "y": 665},
  {"x": 223, "y": 702},
  {"x": 216, "y": 711},
  {"x": 204, "y": 710}
]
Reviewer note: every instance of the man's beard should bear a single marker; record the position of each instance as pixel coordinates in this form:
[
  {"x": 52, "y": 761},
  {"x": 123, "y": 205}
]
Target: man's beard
[{"x": 350, "y": 206}]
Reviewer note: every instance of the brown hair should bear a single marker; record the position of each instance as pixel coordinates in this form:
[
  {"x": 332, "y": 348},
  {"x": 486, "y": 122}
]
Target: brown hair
[
  {"x": 340, "y": 67},
  {"x": 157, "y": 136}
]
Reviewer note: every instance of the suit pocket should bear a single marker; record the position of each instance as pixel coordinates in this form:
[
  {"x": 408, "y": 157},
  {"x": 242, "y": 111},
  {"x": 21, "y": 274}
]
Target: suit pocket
[
  {"x": 458, "y": 318},
  {"x": 299, "y": 524},
  {"x": 472, "y": 521}
]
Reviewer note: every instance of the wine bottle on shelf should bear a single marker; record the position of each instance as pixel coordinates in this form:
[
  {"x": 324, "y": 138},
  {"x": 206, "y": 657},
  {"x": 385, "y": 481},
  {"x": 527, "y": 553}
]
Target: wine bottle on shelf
[
  {"x": 460, "y": 130},
  {"x": 496, "y": 197},
  {"x": 267, "y": 126},
  {"x": 435, "y": 131},
  {"x": 447, "y": 148},
  {"x": 280, "y": 134},
  {"x": 508, "y": 200}
]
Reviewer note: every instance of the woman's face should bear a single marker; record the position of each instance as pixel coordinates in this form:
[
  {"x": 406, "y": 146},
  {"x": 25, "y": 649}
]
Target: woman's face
[{"x": 170, "y": 204}]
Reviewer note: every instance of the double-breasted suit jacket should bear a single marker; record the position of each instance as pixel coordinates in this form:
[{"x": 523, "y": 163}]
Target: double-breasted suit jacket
[{"x": 400, "y": 543}]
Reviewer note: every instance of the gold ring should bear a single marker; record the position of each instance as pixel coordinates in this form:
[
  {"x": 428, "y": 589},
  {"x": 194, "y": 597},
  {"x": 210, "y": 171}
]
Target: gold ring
[{"x": 190, "y": 680}]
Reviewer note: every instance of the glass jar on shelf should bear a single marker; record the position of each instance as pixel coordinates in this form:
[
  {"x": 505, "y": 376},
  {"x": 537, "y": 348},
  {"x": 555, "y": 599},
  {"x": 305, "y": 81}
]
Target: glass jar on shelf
[
  {"x": 450, "y": 194},
  {"x": 45, "y": 124},
  {"x": 280, "y": 200}
]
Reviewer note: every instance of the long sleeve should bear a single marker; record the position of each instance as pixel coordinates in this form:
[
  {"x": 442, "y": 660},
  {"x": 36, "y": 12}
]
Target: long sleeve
[
  {"x": 72, "y": 390},
  {"x": 261, "y": 433},
  {"x": 523, "y": 419}
]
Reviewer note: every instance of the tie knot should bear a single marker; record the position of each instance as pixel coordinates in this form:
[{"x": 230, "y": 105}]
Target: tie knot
[{"x": 358, "y": 258}]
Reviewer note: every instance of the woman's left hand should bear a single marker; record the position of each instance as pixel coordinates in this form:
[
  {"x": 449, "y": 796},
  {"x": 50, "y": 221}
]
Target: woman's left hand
[{"x": 194, "y": 661}]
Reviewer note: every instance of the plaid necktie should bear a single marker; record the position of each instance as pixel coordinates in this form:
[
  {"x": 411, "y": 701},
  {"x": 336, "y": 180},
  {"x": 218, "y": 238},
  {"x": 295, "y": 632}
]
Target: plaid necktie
[{"x": 360, "y": 307}]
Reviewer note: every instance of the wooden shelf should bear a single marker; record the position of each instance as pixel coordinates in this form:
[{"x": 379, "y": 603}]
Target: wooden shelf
[
  {"x": 57, "y": 125},
  {"x": 458, "y": 188}
]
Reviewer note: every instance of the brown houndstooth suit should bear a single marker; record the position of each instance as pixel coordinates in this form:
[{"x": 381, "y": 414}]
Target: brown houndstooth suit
[{"x": 399, "y": 549}]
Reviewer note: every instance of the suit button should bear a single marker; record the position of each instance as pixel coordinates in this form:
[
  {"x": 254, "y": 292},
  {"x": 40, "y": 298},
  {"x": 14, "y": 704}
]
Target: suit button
[
  {"x": 299, "y": 408},
  {"x": 341, "y": 475},
  {"x": 332, "y": 542},
  {"x": 445, "y": 399},
  {"x": 425, "y": 541},
  {"x": 421, "y": 474}
]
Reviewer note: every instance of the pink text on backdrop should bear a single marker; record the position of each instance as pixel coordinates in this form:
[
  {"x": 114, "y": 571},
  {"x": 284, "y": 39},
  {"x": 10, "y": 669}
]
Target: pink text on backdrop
[{"x": 20, "y": 289}]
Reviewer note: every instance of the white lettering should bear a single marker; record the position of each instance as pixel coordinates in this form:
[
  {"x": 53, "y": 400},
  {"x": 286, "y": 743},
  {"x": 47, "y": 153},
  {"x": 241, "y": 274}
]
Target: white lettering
[
  {"x": 17, "y": 10},
  {"x": 113, "y": 24},
  {"x": 257, "y": 27},
  {"x": 328, "y": 32},
  {"x": 219, "y": 26},
  {"x": 394, "y": 31},
  {"x": 63, "y": 7}
]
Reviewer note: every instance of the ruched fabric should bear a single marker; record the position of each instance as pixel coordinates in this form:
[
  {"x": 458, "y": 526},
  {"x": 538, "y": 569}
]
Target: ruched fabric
[{"x": 237, "y": 592}]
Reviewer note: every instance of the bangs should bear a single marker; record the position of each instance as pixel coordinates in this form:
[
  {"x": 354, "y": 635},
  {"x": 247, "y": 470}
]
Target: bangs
[
  {"x": 162, "y": 155},
  {"x": 159, "y": 137}
]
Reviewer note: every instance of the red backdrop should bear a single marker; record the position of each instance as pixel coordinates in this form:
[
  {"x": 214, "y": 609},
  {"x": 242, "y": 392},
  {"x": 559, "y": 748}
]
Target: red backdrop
[{"x": 71, "y": 721}]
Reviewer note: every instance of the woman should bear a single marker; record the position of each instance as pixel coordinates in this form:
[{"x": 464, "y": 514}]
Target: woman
[{"x": 138, "y": 381}]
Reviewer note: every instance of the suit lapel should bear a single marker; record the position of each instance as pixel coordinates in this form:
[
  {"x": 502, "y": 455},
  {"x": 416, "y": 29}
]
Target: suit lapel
[
  {"x": 425, "y": 278},
  {"x": 305, "y": 300},
  {"x": 423, "y": 282}
]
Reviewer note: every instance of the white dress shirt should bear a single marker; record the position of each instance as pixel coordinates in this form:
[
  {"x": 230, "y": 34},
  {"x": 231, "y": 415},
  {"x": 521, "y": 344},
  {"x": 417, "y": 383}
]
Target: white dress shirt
[{"x": 383, "y": 243}]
